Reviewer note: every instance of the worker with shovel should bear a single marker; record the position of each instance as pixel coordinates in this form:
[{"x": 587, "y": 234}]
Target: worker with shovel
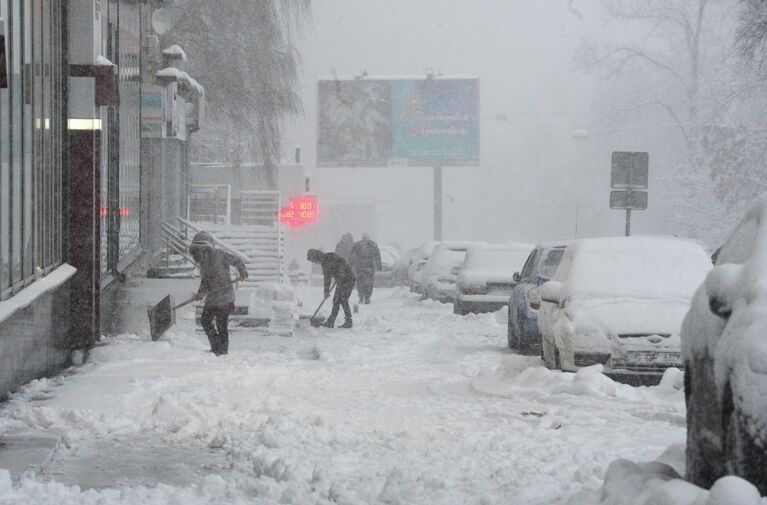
[
  {"x": 334, "y": 267},
  {"x": 216, "y": 287}
]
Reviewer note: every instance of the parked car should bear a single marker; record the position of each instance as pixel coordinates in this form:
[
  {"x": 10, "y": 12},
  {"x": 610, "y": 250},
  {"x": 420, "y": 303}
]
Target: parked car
[
  {"x": 620, "y": 301},
  {"x": 487, "y": 276},
  {"x": 389, "y": 256},
  {"x": 440, "y": 273},
  {"x": 525, "y": 300},
  {"x": 725, "y": 358},
  {"x": 414, "y": 270},
  {"x": 400, "y": 267}
]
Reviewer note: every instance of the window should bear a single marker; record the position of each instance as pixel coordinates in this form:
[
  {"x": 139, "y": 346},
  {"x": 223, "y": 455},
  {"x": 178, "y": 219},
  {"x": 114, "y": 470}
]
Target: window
[{"x": 30, "y": 144}]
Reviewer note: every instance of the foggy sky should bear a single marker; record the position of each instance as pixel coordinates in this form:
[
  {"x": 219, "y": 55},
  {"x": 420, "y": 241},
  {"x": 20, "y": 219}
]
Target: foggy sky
[{"x": 533, "y": 178}]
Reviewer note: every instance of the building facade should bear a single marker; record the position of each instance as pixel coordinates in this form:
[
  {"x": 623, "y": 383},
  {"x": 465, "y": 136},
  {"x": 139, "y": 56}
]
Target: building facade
[{"x": 80, "y": 170}]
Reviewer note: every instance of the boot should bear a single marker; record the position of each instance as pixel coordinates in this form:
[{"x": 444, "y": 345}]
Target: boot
[
  {"x": 347, "y": 324},
  {"x": 329, "y": 323}
]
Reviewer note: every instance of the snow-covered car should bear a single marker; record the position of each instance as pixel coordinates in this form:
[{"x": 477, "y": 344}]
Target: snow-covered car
[
  {"x": 440, "y": 273},
  {"x": 620, "y": 302},
  {"x": 725, "y": 357},
  {"x": 400, "y": 267},
  {"x": 522, "y": 332},
  {"x": 389, "y": 256},
  {"x": 487, "y": 276},
  {"x": 417, "y": 264}
]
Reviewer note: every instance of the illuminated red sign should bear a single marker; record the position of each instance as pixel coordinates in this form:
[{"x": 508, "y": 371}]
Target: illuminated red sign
[
  {"x": 122, "y": 212},
  {"x": 300, "y": 211}
]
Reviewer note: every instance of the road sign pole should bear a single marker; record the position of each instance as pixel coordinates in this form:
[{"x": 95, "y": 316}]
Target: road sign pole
[
  {"x": 437, "y": 203},
  {"x": 628, "y": 222}
]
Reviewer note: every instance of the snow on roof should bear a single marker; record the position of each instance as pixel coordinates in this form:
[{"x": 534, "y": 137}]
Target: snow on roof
[
  {"x": 175, "y": 51},
  {"x": 634, "y": 267}
]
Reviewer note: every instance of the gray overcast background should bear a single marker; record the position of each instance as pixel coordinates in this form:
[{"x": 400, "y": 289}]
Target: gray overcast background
[{"x": 534, "y": 178}]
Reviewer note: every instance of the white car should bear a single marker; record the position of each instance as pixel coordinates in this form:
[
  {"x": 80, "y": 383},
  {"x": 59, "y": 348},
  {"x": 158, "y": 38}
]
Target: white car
[
  {"x": 620, "y": 302},
  {"x": 416, "y": 265},
  {"x": 725, "y": 357},
  {"x": 487, "y": 276},
  {"x": 440, "y": 273}
]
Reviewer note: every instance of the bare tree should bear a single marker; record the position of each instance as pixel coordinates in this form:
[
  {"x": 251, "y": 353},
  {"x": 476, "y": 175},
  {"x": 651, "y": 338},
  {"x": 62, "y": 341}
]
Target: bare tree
[
  {"x": 245, "y": 56},
  {"x": 668, "y": 50},
  {"x": 751, "y": 39}
]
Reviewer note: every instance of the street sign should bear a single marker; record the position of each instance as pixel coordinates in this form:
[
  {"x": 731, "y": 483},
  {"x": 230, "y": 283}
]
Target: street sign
[
  {"x": 628, "y": 200},
  {"x": 629, "y": 170}
]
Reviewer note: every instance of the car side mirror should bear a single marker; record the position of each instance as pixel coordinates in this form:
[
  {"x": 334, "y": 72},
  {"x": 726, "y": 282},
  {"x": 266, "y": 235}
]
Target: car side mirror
[
  {"x": 516, "y": 277},
  {"x": 551, "y": 292},
  {"x": 722, "y": 284}
]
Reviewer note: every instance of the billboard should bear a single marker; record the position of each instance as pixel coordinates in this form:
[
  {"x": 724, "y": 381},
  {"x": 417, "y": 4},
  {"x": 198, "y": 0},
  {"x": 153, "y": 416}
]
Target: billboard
[{"x": 412, "y": 122}]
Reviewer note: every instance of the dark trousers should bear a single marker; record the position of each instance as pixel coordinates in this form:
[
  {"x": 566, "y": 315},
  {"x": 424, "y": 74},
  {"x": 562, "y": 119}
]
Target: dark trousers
[
  {"x": 365, "y": 281},
  {"x": 218, "y": 335},
  {"x": 341, "y": 299}
]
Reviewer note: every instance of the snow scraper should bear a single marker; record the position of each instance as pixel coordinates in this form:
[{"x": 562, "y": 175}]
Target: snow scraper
[{"x": 163, "y": 315}]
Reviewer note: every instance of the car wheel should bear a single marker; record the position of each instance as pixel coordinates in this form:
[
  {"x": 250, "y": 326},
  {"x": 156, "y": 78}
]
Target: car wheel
[
  {"x": 458, "y": 308},
  {"x": 509, "y": 332},
  {"x": 557, "y": 360}
]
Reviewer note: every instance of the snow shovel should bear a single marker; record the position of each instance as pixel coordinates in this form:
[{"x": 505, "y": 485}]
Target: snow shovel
[
  {"x": 163, "y": 315},
  {"x": 317, "y": 321}
]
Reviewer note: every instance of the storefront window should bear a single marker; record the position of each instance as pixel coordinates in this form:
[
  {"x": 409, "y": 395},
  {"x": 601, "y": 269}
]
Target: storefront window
[
  {"x": 5, "y": 175},
  {"x": 30, "y": 143}
]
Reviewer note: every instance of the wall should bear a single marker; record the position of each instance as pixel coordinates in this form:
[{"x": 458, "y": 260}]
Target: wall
[{"x": 35, "y": 340}]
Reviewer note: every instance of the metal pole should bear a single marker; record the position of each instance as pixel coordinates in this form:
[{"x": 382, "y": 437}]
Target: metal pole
[
  {"x": 628, "y": 222},
  {"x": 437, "y": 203}
]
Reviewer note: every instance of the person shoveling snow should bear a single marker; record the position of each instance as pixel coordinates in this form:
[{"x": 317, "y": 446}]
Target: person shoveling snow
[
  {"x": 216, "y": 287},
  {"x": 334, "y": 267}
]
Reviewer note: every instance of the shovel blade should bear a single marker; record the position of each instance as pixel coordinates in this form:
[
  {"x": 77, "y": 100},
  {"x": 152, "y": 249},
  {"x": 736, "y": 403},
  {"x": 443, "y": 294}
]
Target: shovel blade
[{"x": 161, "y": 317}]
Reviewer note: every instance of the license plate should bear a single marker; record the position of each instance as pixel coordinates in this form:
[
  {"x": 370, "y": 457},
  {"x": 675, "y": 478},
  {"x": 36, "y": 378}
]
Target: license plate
[{"x": 653, "y": 358}]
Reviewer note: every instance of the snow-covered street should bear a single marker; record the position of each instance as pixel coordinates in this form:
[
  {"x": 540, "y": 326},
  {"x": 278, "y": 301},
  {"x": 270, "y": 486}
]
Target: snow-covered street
[{"x": 413, "y": 405}]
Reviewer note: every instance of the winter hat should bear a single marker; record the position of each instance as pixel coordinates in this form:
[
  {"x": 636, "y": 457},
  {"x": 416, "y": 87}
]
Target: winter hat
[
  {"x": 315, "y": 255},
  {"x": 202, "y": 240}
]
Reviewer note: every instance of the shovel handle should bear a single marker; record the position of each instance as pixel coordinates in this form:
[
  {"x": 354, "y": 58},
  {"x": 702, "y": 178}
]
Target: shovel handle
[
  {"x": 323, "y": 300},
  {"x": 214, "y": 290}
]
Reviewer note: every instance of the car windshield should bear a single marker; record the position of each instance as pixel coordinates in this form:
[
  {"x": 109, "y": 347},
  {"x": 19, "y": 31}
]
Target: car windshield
[
  {"x": 550, "y": 262},
  {"x": 496, "y": 259}
]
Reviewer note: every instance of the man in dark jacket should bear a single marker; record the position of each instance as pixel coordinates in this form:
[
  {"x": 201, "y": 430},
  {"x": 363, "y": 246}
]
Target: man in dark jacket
[
  {"x": 365, "y": 261},
  {"x": 334, "y": 266},
  {"x": 344, "y": 246},
  {"x": 216, "y": 288}
]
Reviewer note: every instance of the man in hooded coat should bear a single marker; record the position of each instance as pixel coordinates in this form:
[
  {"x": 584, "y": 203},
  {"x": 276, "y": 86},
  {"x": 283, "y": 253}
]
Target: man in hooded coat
[
  {"x": 216, "y": 287},
  {"x": 334, "y": 267},
  {"x": 344, "y": 246},
  {"x": 365, "y": 261}
]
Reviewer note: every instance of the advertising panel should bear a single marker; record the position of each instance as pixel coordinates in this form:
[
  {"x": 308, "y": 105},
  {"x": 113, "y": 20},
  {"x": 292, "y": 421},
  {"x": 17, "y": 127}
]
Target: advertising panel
[{"x": 410, "y": 122}]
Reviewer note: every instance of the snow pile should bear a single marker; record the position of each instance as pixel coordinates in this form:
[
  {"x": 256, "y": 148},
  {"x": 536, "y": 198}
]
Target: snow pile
[
  {"x": 508, "y": 381},
  {"x": 659, "y": 483},
  {"x": 276, "y": 302}
]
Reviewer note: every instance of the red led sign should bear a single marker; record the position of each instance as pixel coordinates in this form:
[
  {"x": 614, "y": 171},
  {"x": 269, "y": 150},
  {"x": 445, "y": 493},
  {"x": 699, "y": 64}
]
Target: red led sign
[{"x": 300, "y": 211}]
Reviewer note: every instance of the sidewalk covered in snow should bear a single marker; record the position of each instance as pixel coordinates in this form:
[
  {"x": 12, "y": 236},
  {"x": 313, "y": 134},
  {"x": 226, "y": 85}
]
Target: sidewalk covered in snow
[{"x": 413, "y": 405}]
